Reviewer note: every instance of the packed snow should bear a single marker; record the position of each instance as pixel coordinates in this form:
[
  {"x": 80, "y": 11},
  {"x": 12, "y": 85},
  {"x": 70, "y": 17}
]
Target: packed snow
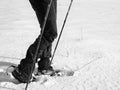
[{"x": 90, "y": 43}]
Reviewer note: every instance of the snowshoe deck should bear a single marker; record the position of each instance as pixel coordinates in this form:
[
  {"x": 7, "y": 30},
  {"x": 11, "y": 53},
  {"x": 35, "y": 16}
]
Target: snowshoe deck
[
  {"x": 6, "y": 76},
  {"x": 56, "y": 73}
]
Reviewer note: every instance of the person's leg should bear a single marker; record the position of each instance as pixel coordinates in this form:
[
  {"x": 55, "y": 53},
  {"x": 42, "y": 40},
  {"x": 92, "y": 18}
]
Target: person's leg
[
  {"x": 50, "y": 34},
  {"x": 23, "y": 70}
]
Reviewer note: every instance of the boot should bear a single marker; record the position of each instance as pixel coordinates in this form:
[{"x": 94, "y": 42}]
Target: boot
[
  {"x": 22, "y": 75},
  {"x": 44, "y": 67}
]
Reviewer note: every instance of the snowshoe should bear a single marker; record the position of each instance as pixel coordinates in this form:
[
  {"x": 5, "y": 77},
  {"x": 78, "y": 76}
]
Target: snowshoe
[
  {"x": 6, "y": 75},
  {"x": 56, "y": 72}
]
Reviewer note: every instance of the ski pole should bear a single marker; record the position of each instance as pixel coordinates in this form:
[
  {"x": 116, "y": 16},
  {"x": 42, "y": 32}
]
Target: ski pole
[
  {"x": 61, "y": 31},
  {"x": 39, "y": 41}
]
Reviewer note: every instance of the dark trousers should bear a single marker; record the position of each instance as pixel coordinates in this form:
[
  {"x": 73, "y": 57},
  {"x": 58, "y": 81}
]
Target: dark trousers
[{"x": 50, "y": 33}]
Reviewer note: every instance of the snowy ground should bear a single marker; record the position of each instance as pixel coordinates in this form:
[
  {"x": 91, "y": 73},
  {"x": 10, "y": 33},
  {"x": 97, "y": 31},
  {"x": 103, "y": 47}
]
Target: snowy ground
[{"x": 89, "y": 44}]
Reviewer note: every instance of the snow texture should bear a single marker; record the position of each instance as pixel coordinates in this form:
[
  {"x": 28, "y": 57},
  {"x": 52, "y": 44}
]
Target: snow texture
[{"x": 90, "y": 43}]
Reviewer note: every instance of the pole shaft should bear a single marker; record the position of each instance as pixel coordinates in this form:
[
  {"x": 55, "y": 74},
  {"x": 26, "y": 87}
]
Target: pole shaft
[{"x": 61, "y": 31}]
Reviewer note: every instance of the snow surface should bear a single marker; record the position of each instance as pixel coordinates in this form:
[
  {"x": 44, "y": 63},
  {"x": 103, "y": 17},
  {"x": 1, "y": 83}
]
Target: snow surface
[{"x": 90, "y": 43}]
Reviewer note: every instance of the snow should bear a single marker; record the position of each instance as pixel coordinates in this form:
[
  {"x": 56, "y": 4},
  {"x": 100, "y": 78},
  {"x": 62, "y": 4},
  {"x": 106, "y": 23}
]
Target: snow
[{"x": 89, "y": 44}]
